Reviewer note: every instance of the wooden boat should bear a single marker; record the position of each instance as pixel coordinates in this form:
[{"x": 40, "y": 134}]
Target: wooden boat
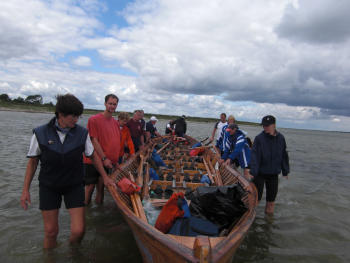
[{"x": 158, "y": 247}]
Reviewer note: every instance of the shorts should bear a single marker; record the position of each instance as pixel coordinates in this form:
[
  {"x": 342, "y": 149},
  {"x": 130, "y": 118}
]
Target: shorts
[
  {"x": 271, "y": 182},
  {"x": 51, "y": 198},
  {"x": 91, "y": 174}
]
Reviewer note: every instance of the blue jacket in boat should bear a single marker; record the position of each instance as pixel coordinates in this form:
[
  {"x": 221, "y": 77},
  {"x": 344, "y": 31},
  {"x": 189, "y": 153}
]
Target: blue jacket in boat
[
  {"x": 269, "y": 155},
  {"x": 61, "y": 164},
  {"x": 236, "y": 146}
]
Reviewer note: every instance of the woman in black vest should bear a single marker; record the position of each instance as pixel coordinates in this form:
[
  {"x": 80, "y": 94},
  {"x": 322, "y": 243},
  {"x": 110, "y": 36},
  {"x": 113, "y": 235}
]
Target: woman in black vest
[{"x": 59, "y": 146}]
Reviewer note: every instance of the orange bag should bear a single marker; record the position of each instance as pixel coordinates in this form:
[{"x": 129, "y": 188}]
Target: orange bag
[
  {"x": 169, "y": 213},
  {"x": 127, "y": 186}
]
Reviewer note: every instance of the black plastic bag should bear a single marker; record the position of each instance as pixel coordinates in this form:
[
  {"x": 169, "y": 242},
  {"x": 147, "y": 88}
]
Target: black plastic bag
[{"x": 221, "y": 205}]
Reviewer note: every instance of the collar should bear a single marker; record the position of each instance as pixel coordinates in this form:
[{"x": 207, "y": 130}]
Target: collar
[{"x": 58, "y": 128}]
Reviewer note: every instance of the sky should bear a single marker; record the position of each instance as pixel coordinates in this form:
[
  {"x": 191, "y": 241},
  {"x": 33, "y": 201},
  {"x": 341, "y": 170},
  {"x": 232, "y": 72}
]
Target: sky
[{"x": 287, "y": 58}]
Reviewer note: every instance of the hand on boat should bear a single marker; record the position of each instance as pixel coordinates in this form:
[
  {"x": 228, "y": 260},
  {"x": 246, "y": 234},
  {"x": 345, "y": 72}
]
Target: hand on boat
[
  {"x": 25, "y": 200},
  {"x": 107, "y": 181},
  {"x": 108, "y": 163}
]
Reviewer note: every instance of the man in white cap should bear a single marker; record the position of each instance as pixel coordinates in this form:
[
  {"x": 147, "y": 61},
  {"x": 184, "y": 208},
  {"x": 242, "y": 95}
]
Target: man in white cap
[{"x": 151, "y": 129}]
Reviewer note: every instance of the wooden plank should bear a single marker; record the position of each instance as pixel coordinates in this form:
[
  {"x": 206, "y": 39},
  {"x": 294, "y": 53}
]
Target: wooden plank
[{"x": 202, "y": 249}]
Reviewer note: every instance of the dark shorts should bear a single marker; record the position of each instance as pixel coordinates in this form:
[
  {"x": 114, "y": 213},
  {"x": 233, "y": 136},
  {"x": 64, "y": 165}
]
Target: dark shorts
[
  {"x": 51, "y": 198},
  {"x": 271, "y": 182},
  {"x": 91, "y": 174}
]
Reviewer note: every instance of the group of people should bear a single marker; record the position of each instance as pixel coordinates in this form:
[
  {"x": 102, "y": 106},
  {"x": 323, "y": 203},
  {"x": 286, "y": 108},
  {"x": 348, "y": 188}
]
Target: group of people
[
  {"x": 75, "y": 160},
  {"x": 262, "y": 161}
]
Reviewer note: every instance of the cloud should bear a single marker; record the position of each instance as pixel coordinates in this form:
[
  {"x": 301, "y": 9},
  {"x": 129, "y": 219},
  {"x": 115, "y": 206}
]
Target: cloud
[
  {"x": 248, "y": 58},
  {"x": 316, "y": 21},
  {"x": 82, "y": 61},
  {"x": 237, "y": 55}
]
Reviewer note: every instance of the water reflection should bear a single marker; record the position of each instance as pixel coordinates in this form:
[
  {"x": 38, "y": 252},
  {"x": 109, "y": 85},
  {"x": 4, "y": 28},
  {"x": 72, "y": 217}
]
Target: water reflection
[{"x": 256, "y": 245}]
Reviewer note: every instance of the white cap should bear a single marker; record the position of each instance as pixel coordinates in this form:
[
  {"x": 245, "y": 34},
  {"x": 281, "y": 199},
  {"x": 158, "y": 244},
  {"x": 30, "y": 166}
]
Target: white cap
[{"x": 153, "y": 118}]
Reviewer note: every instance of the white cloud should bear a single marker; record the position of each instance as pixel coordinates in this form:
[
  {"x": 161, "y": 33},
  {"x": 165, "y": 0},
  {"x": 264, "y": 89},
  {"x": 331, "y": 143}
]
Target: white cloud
[{"x": 82, "y": 61}]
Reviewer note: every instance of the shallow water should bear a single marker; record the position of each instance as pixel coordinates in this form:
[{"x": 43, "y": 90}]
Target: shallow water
[{"x": 311, "y": 221}]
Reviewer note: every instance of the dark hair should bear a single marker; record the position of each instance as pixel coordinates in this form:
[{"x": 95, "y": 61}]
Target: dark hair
[
  {"x": 68, "y": 104},
  {"x": 111, "y": 96},
  {"x": 249, "y": 141},
  {"x": 223, "y": 114}
]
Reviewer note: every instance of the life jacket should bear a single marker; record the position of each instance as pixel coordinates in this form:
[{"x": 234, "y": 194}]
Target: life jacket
[{"x": 61, "y": 164}]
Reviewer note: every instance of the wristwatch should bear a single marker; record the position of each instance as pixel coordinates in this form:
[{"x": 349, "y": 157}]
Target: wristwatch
[{"x": 103, "y": 158}]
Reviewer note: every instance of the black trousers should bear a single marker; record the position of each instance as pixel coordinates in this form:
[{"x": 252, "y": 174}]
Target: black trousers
[{"x": 271, "y": 182}]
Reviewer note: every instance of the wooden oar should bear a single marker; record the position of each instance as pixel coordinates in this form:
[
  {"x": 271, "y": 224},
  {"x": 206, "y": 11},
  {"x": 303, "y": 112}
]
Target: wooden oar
[
  {"x": 218, "y": 178},
  {"x": 208, "y": 170},
  {"x": 139, "y": 179},
  {"x": 136, "y": 203},
  {"x": 161, "y": 149}
]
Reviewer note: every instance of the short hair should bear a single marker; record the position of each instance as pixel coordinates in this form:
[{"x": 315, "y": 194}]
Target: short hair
[
  {"x": 111, "y": 96},
  {"x": 68, "y": 104},
  {"x": 223, "y": 114},
  {"x": 123, "y": 116}
]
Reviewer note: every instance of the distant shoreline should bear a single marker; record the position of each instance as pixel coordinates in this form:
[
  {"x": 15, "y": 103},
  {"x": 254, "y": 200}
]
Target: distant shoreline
[{"x": 48, "y": 109}]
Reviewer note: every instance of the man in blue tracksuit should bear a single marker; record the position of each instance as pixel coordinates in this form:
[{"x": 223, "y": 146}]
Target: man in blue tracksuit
[
  {"x": 269, "y": 158},
  {"x": 235, "y": 146}
]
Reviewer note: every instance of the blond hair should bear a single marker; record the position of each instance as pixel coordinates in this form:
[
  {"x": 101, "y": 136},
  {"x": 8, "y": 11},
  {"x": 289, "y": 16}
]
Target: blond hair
[
  {"x": 231, "y": 119},
  {"x": 123, "y": 116}
]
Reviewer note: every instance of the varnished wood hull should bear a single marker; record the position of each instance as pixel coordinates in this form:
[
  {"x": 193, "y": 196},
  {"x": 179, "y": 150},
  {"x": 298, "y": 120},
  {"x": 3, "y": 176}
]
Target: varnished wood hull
[{"x": 158, "y": 247}]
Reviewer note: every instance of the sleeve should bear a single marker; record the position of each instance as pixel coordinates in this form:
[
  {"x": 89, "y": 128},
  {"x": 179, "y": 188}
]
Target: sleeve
[
  {"x": 130, "y": 143},
  {"x": 185, "y": 127},
  {"x": 92, "y": 127},
  {"x": 238, "y": 147},
  {"x": 285, "y": 160},
  {"x": 216, "y": 125},
  {"x": 89, "y": 148},
  {"x": 226, "y": 145},
  {"x": 255, "y": 158},
  {"x": 34, "y": 149}
]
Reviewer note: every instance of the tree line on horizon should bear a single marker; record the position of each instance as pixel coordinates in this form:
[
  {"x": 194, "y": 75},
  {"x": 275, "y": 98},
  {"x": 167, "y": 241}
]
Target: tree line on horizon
[{"x": 31, "y": 99}]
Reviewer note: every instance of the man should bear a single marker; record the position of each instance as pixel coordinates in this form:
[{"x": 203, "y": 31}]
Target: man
[
  {"x": 269, "y": 158},
  {"x": 219, "y": 142},
  {"x": 218, "y": 128},
  {"x": 126, "y": 144},
  {"x": 180, "y": 126},
  {"x": 151, "y": 129},
  {"x": 136, "y": 130},
  {"x": 59, "y": 146},
  {"x": 169, "y": 129},
  {"x": 236, "y": 146},
  {"x": 104, "y": 132}
]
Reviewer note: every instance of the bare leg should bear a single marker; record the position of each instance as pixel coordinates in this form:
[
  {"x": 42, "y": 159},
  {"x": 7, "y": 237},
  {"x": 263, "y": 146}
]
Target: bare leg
[
  {"x": 269, "y": 208},
  {"x": 99, "y": 191},
  {"x": 50, "y": 218},
  {"x": 77, "y": 224},
  {"x": 89, "y": 190}
]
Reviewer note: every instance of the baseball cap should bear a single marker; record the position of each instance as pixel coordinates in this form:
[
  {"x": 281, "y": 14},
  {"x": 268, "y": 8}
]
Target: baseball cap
[{"x": 268, "y": 120}]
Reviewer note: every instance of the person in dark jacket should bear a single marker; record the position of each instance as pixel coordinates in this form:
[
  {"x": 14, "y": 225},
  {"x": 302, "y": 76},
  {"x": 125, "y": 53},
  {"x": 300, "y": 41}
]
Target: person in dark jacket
[
  {"x": 59, "y": 146},
  {"x": 180, "y": 126},
  {"x": 268, "y": 158}
]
